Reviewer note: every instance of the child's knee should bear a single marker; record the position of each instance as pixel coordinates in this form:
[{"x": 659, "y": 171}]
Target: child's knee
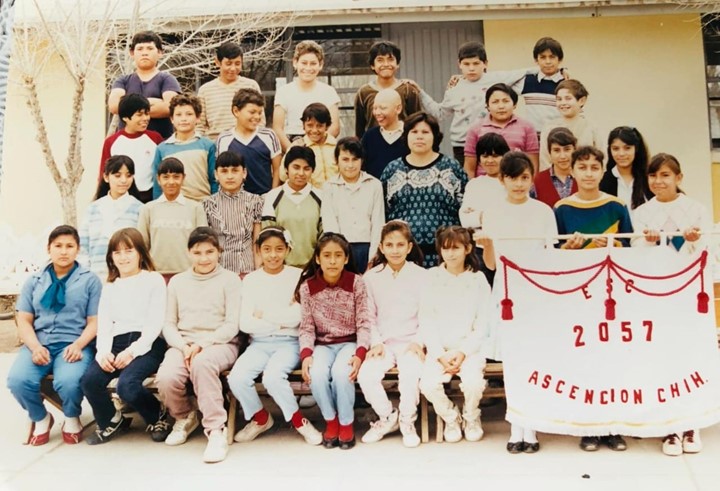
[{"x": 274, "y": 378}]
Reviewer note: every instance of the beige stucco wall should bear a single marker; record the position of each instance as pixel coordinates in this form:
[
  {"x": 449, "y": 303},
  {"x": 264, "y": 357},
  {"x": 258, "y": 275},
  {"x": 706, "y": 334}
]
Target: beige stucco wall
[
  {"x": 647, "y": 72},
  {"x": 29, "y": 199}
]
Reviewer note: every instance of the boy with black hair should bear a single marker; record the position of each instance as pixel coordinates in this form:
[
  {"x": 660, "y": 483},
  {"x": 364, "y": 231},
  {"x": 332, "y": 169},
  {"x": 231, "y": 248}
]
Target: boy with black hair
[
  {"x": 196, "y": 152},
  {"x": 316, "y": 121},
  {"x": 557, "y": 182},
  {"x": 353, "y": 203},
  {"x": 159, "y": 87},
  {"x": 135, "y": 141},
  {"x": 384, "y": 60},
  {"x": 166, "y": 222},
  {"x": 296, "y": 206},
  {"x": 216, "y": 95},
  {"x": 234, "y": 214},
  {"x": 538, "y": 89},
  {"x": 259, "y": 146}
]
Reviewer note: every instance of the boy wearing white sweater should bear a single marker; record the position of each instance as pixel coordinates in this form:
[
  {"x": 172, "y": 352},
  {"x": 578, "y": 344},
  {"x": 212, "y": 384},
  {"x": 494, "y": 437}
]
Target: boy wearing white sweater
[{"x": 201, "y": 328}]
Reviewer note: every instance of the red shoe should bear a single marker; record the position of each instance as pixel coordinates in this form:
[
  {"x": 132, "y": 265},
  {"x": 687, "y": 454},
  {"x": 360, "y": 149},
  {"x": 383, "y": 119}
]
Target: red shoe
[
  {"x": 37, "y": 440},
  {"x": 71, "y": 438}
]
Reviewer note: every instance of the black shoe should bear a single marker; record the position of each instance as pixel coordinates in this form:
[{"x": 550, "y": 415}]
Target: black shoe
[
  {"x": 615, "y": 442},
  {"x": 160, "y": 430},
  {"x": 107, "y": 434},
  {"x": 531, "y": 447},
  {"x": 515, "y": 447},
  {"x": 330, "y": 443},
  {"x": 590, "y": 443},
  {"x": 347, "y": 445}
]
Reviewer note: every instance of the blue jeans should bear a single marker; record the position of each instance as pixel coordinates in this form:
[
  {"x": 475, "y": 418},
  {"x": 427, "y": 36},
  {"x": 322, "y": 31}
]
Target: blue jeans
[
  {"x": 130, "y": 382},
  {"x": 25, "y": 376},
  {"x": 275, "y": 357},
  {"x": 361, "y": 252},
  {"x": 330, "y": 381}
]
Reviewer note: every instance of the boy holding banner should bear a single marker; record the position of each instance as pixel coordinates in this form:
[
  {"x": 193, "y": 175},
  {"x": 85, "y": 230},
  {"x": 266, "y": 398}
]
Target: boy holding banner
[{"x": 590, "y": 211}]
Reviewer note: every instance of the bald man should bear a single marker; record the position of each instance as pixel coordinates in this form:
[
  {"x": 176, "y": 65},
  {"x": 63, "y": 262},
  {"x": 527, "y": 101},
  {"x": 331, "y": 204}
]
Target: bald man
[{"x": 384, "y": 143}]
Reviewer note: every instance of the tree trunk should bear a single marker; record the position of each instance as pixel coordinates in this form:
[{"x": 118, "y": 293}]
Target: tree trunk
[{"x": 68, "y": 198}]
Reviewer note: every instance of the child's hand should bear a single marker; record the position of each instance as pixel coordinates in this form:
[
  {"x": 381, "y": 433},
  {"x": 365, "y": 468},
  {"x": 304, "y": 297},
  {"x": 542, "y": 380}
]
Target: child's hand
[
  {"x": 417, "y": 350},
  {"x": 306, "y": 364},
  {"x": 574, "y": 242},
  {"x": 123, "y": 359},
  {"x": 72, "y": 353},
  {"x": 482, "y": 240},
  {"x": 189, "y": 352},
  {"x": 453, "y": 81},
  {"x": 448, "y": 367},
  {"x": 377, "y": 351},
  {"x": 41, "y": 355},
  {"x": 600, "y": 242},
  {"x": 106, "y": 363},
  {"x": 457, "y": 359},
  {"x": 355, "y": 363},
  {"x": 412, "y": 83},
  {"x": 652, "y": 236},
  {"x": 692, "y": 234}
]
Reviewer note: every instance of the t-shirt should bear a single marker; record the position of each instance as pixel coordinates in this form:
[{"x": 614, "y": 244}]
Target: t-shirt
[
  {"x": 216, "y": 100},
  {"x": 294, "y": 101},
  {"x": 160, "y": 83},
  {"x": 518, "y": 133},
  {"x": 531, "y": 219},
  {"x": 481, "y": 194},
  {"x": 257, "y": 152},
  {"x": 140, "y": 147}
]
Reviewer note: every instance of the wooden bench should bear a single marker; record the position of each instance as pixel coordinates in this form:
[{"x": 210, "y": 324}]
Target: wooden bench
[{"x": 493, "y": 371}]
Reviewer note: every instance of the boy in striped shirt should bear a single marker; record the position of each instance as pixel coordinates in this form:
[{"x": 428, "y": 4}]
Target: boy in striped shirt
[{"x": 235, "y": 215}]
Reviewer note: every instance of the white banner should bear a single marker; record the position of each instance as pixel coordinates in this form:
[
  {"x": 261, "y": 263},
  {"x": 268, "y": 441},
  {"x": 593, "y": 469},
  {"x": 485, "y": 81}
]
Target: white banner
[{"x": 587, "y": 353}]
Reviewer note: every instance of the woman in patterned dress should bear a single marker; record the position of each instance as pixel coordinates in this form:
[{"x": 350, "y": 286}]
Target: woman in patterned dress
[{"x": 424, "y": 188}]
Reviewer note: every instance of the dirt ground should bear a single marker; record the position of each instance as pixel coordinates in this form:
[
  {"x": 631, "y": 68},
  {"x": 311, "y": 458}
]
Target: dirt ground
[{"x": 8, "y": 336}]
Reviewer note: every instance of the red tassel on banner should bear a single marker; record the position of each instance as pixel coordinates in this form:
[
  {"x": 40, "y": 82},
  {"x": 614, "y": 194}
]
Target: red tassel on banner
[
  {"x": 610, "y": 309},
  {"x": 507, "y": 313},
  {"x": 703, "y": 302}
]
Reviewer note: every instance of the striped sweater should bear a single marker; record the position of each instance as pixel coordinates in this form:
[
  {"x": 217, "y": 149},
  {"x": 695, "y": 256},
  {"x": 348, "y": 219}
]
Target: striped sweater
[
  {"x": 103, "y": 218},
  {"x": 198, "y": 158},
  {"x": 605, "y": 215}
]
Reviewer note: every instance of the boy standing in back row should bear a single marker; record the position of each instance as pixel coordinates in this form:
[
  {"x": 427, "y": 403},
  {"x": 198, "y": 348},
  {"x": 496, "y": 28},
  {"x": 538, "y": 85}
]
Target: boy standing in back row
[
  {"x": 216, "y": 95},
  {"x": 384, "y": 61},
  {"x": 159, "y": 87}
]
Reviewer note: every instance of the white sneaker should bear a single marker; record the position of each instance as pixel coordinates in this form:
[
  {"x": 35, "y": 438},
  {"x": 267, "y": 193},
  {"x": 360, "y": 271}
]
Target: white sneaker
[
  {"x": 473, "y": 430},
  {"x": 691, "y": 441},
  {"x": 252, "y": 430},
  {"x": 309, "y": 433},
  {"x": 182, "y": 429},
  {"x": 217, "y": 446},
  {"x": 409, "y": 432},
  {"x": 453, "y": 431},
  {"x": 381, "y": 427},
  {"x": 672, "y": 445}
]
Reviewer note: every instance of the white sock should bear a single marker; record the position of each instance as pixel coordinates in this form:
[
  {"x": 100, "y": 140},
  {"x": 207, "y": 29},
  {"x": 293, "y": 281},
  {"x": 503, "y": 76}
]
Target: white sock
[
  {"x": 529, "y": 436},
  {"x": 516, "y": 433},
  {"x": 117, "y": 417},
  {"x": 42, "y": 426},
  {"x": 72, "y": 425}
]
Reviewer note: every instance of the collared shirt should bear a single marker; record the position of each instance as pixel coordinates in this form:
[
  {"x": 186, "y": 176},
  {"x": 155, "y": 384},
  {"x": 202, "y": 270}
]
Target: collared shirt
[
  {"x": 355, "y": 210},
  {"x": 325, "y": 166},
  {"x": 624, "y": 189},
  {"x": 82, "y": 296},
  {"x": 519, "y": 134},
  {"x": 233, "y": 217},
  {"x": 564, "y": 189},
  {"x": 391, "y": 136}
]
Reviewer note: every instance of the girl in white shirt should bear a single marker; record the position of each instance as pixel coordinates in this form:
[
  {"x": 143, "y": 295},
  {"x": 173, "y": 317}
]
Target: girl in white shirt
[
  {"x": 670, "y": 211},
  {"x": 130, "y": 319}
]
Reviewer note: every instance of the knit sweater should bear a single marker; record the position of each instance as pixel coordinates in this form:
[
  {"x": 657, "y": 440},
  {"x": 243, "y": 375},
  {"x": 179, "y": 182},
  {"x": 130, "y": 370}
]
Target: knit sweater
[
  {"x": 202, "y": 309},
  {"x": 279, "y": 312},
  {"x": 103, "y": 218},
  {"x": 145, "y": 292},
  {"x": 454, "y": 312},
  {"x": 379, "y": 153},
  {"x": 334, "y": 314},
  {"x": 605, "y": 215},
  {"x": 394, "y": 302}
]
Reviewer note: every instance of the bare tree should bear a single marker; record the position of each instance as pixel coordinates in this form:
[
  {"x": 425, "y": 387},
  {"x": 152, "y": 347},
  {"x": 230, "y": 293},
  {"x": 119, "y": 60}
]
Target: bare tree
[{"x": 82, "y": 32}]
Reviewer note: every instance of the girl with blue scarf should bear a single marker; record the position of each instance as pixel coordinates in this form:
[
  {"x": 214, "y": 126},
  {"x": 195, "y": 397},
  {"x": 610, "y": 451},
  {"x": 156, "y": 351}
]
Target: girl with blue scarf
[{"x": 57, "y": 321}]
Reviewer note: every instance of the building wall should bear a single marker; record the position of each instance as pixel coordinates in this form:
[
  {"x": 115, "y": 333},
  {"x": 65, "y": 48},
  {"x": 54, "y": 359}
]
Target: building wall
[
  {"x": 29, "y": 199},
  {"x": 643, "y": 71}
]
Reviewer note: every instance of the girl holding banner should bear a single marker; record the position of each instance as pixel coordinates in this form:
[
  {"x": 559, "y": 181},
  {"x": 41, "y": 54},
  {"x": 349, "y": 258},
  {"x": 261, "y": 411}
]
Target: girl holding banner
[{"x": 670, "y": 211}]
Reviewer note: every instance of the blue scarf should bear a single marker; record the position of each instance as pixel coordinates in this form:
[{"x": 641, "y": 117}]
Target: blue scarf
[{"x": 54, "y": 297}]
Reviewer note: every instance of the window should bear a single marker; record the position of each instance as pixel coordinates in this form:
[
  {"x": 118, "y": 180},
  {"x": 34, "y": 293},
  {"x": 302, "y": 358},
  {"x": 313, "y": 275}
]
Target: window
[{"x": 711, "y": 38}]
